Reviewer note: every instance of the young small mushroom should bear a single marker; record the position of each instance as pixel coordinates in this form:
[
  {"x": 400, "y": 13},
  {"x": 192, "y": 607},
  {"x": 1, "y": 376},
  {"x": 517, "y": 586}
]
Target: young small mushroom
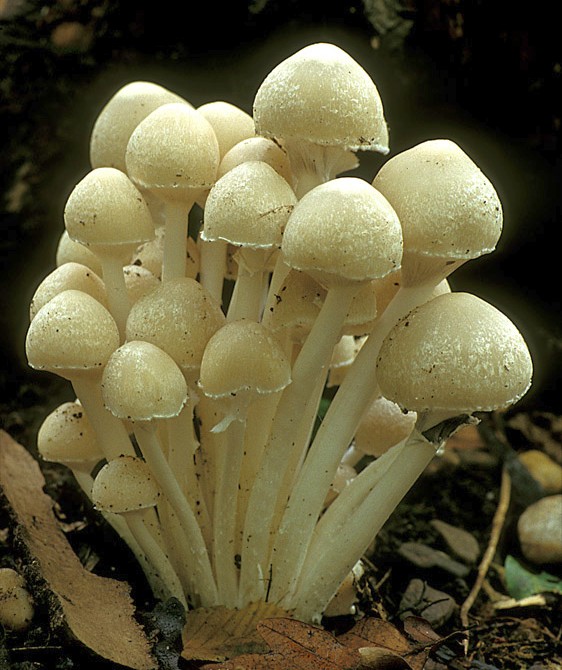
[
  {"x": 16, "y": 605},
  {"x": 69, "y": 251},
  {"x": 126, "y": 487}
]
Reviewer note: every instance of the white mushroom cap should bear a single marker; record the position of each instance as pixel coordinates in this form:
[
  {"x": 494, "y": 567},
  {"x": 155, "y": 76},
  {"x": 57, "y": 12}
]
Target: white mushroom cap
[
  {"x": 106, "y": 211},
  {"x": 455, "y": 353},
  {"x": 16, "y": 605},
  {"x": 382, "y": 426},
  {"x": 230, "y": 123},
  {"x": 69, "y": 275},
  {"x": 322, "y": 95},
  {"x": 142, "y": 382},
  {"x": 67, "y": 436},
  {"x": 123, "y": 485},
  {"x": 173, "y": 152},
  {"x": 72, "y": 333},
  {"x": 120, "y": 116},
  {"x": 69, "y": 251},
  {"x": 343, "y": 231},
  {"x": 257, "y": 149},
  {"x": 248, "y": 206},
  {"x": 447, "y": 207},
  {"x": 243, "y": 356},
  {"x": 139, "y": 282}
]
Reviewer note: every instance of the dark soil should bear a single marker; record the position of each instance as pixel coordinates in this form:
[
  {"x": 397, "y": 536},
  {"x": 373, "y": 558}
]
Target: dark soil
[{"x": 487, "y": 75}]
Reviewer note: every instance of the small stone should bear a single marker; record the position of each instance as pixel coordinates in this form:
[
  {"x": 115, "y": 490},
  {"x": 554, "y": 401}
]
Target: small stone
[
  {"x": 420, "y": 599},
  {"x": 462, "y": 543},
  {"x": 540, "y": 530},
  {"x": 426, "y": 557},
  {"x": 543, "y": 469}
]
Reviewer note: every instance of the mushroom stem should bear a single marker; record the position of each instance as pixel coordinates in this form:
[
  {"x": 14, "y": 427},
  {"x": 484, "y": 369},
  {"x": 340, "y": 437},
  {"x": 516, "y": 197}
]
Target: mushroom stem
[
  {"x": 247, "y": 295},
  {"x": 350, "y": 402},
  {"x": 156, "y": 558},
  {"x": 224, "y": 522},
  {"x": 117, "y": 296},
  {"x": 337, "y": 551},
  {"x": 110, "y": 431},
  {"x": 200, "y": 564},
  {"x": 212, "y": 266},
  {"x": 175, "y": 239},
  {"x": 313, "y": 358}
]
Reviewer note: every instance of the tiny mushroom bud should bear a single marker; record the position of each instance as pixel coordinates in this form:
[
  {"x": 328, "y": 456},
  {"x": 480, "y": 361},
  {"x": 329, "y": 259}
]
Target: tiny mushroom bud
[
  {"x": 126, "y": 487},
  {"x": 16, "y": 605}
]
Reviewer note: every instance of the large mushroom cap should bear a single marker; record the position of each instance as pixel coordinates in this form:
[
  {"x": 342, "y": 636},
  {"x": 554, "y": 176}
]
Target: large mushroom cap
[
  {"x": 343, "y": 230},
  {"x": 322, "y": 95},
  {"x": 456, "y": 352},
  {"x": 142, "y": 382},
  {"x": 125, "y": 484},
  {"x": 72, "y": 333},
  {"x": 446, "y": 205}
]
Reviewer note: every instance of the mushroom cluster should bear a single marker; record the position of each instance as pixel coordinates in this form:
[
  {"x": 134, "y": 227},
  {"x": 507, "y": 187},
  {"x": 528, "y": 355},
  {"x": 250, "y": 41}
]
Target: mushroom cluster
[{"x": 218, "y": 272}]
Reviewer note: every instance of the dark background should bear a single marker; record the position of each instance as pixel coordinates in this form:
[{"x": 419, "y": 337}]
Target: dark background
[{"x": 484, "y": 74}]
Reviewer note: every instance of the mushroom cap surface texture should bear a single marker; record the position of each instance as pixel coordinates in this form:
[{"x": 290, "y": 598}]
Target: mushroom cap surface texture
[
  {"x": 114, "y": 125},
  {"x": 73, "y": 332},
  {"x": 173, "y": 150},
  {"x": 125, "y": 484},
  {"x": 343, "y": 231},
  {"x": 455, "y": 352},
  {"x": 248, "y": 206},
  {"x": 142, "y": 382},
  {"x": 243, "y": 356},
  {"x": 446, "y": 205},
  {"x": 105, "y": 209},
  {"x": 320, "y": 94}
]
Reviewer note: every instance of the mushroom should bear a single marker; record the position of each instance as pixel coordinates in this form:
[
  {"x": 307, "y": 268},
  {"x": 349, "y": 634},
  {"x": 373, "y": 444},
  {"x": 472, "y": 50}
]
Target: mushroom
[
  {"x": 73, "y": 336},
  {"x": 141, "y": 383},
  {"x": 343, "y": 233},
  {"x": 174, "y": 155},
  {"x": 107, "y": 213},
  {"x": 242, "y": 362},
  {"x": 70, "y": 251},
  {"x": 248, "y": 207},
  {"x": 322, "y": 106},
  {"x": 125, "y": 486},
  {"x": 230, "y": 123},
  {"x": 16, "y": 605},
  {"x": 260, "y": 149}
]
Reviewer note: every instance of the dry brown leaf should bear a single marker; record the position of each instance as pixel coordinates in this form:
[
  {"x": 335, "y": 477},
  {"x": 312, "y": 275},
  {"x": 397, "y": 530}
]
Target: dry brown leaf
[
  {"x": 98, "y": 611},
  {"x": 218, "y": 633}
]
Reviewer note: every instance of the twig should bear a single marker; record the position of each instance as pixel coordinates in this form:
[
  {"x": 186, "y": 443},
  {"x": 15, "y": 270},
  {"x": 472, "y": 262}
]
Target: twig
[{"x": 497, "y": 526}]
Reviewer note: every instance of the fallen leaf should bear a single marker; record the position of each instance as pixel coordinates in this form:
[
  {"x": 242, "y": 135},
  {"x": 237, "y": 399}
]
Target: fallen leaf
[
  {"x": 98, "y": 610},
  {"x": 522, "y": 583},
  {"x": 218, "y": 633}
]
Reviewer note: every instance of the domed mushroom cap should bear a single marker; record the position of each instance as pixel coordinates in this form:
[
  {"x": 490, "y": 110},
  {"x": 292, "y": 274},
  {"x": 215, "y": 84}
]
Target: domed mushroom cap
[
  {"x": 70, "y": 251},
  {"x": 172, "y": 151},
  {"x": 322, "y": 95},
  {"x": 120, "y": 116},
  {"x": 257, "y": 149},
  {"x": 249, "y": 206},
  {"x": 455, "y": 352},
  {"x": 230, "y": 123},
  {"x": 123, "y": 485},
  {"x": 180, "y": 317},
  {"x": 105, "y": 209},
  {"x": 446, "y": 205},
  {"x": 69, "y": 275},
  {"x": 72, "y": 333},
  {"x": 67, "y": 436},
  {"x": 243, "y": 356},
  {"x": 382, "y": 426},
  {"x": 343, "y": 230},
  {"x": 141, "y": 382}
]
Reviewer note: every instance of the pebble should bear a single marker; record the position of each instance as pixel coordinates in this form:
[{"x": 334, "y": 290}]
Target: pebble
[
  {"x": 543, "y": 469},
  {"x": 540, "y": 530},
  {"x": 420, "y": 599},
  {"x": 462, "y": 543},
  {"x": 426, "y": 557}
]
